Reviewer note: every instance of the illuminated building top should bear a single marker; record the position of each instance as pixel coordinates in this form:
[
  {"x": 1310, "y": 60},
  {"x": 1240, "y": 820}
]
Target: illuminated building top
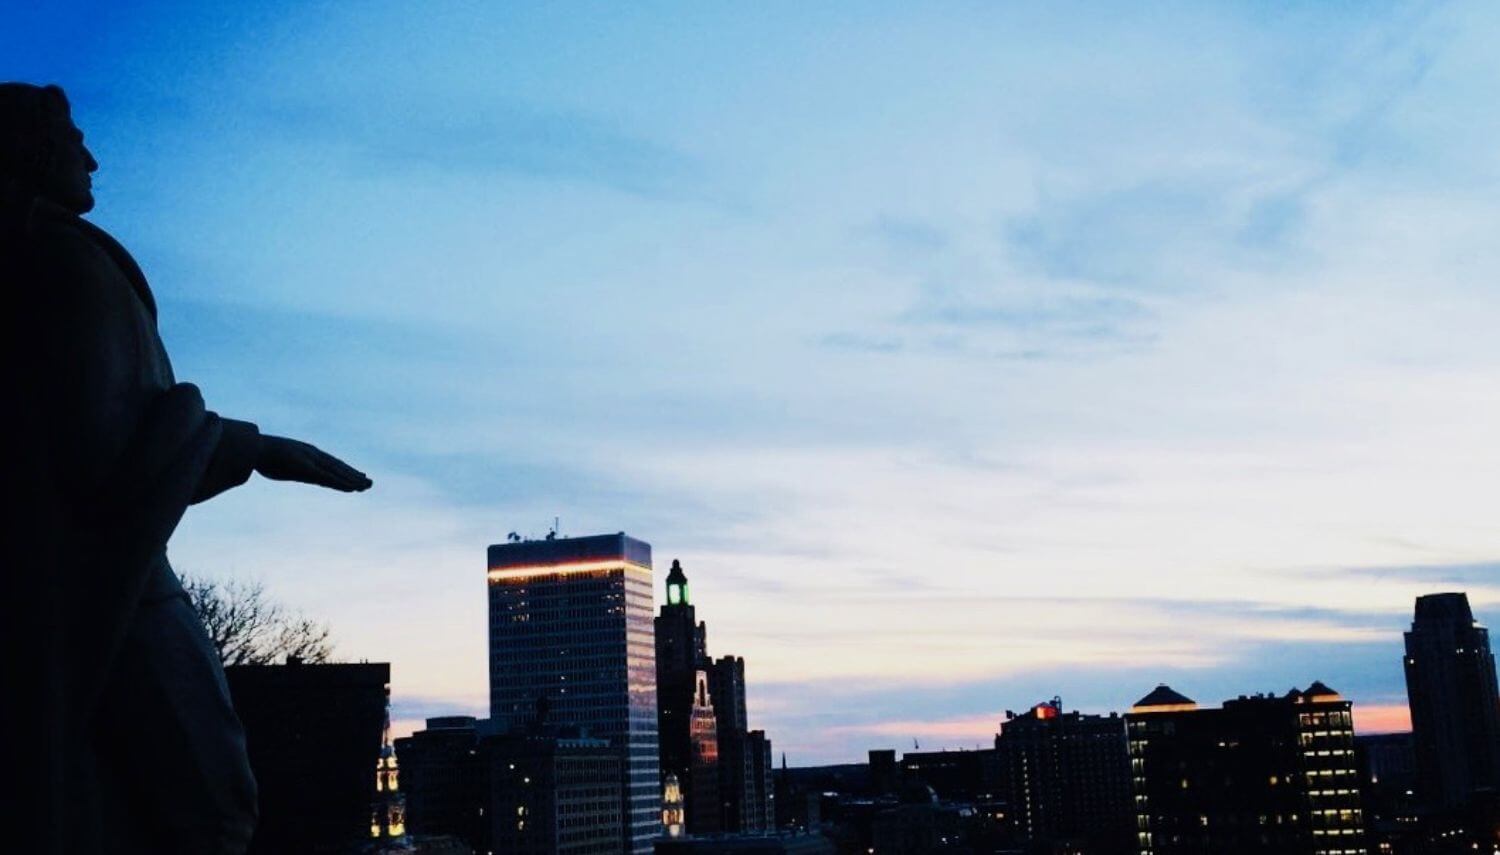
[
  {"x": 557, "y": 556},
  {"x": 570, "y": 550},
  {"x": 677, "y": 587}
]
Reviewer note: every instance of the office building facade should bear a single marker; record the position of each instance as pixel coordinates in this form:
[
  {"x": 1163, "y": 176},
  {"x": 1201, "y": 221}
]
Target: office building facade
[
  {"x": 556, "y": 794},
  {"x": 571, "y": 629},
  {"x": 1263, "y": 774}
]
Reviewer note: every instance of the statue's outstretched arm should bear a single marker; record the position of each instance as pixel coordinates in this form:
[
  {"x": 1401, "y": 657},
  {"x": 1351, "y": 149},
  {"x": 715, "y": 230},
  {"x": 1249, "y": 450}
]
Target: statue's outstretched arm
[
  {"x": 244, "y": 449},
  {"x": 283, "y": 459},
  {"x": 233, "y": 461}
]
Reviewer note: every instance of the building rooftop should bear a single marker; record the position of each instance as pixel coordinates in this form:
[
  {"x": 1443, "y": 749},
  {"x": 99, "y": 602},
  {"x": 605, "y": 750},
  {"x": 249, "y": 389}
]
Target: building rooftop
[
  {"x": 569, "y": 550},
  {"x": 1319, "y": 691},
  {"x": 1444, "y": 607},
  {"x": 1164, "y": 698}
]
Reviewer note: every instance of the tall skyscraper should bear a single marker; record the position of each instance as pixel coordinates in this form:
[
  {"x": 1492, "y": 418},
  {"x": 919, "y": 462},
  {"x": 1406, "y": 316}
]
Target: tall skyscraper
[
  {"x": 1262, "y": 774},
  {"x": 570, "y": 627},
  {"x": 1455, "y": 710}
]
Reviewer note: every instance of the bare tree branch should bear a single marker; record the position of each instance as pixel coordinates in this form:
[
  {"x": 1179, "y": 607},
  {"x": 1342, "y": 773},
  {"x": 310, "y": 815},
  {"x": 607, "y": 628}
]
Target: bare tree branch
[
  {"x": 247, "y": 628},
  {"x": 300, "y": 638}
]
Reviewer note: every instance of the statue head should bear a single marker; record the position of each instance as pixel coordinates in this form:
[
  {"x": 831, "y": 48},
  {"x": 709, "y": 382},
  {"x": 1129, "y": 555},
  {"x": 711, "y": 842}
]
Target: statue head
[{"x": 41, "y": 150}]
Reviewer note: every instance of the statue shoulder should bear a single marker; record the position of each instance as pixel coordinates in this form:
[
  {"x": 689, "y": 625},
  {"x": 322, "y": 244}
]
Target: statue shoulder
[
  {"x": 71, "y": 282},
  {"x": 59, "y": 243}
]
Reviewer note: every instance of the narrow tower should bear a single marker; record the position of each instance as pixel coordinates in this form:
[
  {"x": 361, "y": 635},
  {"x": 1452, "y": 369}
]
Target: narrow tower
[{"x": 680, "y": 652}]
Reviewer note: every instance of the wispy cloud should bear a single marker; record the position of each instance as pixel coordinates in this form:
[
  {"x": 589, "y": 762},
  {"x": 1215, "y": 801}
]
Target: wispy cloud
[{"x": 428, "y": 135}]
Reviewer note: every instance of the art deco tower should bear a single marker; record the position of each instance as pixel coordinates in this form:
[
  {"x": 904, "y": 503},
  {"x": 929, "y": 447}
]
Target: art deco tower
[
  {"x": 1455, "y": 711},
  {"x": 680, "y": 653},
  {"x": 702, "y": 702}
]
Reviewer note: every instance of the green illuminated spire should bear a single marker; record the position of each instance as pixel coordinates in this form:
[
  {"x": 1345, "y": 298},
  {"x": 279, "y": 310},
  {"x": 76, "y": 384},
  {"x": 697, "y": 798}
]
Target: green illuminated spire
[{"x": 677, "y": 590}]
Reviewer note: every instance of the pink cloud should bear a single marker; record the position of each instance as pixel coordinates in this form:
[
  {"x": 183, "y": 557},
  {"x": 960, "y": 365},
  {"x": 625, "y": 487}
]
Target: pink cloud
[{"x": 963, "y": 730}]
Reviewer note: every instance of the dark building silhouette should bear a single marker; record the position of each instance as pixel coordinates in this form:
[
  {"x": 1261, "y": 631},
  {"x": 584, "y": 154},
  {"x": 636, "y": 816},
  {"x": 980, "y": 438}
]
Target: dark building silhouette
[
  {"x": 759, "y": 809},
  {"x": 919, "y": 823},
  {"x": 741, "y": 798},
  {"x": 537, "y": 790},
  {"x": 1388, "y": 760},
  {"x": 446, "y": 780},
  {"x": 744, "y": 755},
  {"x": 314, "y": 735},
  {"x": 551, "y": 795},
  {"x": 681, "y": 651},
  {"x": 1455, "y": 710},
  {"x": 798, "y": 804},
  {"x": 726, "y": 686},
  {"x": 952, "y": 775},
  {"x": 726, "y": 682},
  {"x": 1388, "y": 780},
  {"x": 885, "y": 775},
  {"x": 749, "y": 844},
  {"x": 1264, "y": 774},
  {"x": 570, "y": 626},
  {"x": 1065, "y": 777}
]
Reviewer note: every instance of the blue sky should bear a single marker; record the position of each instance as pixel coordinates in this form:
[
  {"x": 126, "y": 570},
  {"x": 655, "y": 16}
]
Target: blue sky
[{"x": 966, "y": 354}]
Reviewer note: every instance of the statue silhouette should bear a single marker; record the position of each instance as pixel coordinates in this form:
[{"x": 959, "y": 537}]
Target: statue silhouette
[{"x": 125, "y": 737}]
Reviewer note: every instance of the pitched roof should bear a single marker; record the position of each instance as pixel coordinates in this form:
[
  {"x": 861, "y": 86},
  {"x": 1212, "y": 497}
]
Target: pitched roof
[
  {"x": 1319, "y": 689},
  {"x": 1165, "y": 696}
]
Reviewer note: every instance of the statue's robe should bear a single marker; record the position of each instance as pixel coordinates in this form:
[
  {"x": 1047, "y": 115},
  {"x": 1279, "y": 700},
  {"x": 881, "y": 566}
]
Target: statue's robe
[{"x": 124, "y": 738}]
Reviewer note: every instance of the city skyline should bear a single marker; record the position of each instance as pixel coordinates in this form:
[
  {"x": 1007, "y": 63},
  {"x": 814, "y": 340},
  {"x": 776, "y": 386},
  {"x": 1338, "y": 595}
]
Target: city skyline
[{"x": 996, "y": 353}]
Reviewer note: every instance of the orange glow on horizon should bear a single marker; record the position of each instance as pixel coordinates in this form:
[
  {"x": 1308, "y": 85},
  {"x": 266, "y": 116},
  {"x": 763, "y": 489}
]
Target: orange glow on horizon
[{"x": 1382, "y": 718}]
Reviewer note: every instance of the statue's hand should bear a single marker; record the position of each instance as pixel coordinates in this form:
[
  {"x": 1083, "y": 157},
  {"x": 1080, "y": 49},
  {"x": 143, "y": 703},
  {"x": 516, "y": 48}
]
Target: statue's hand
[{"x": 283, "y": 459}]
